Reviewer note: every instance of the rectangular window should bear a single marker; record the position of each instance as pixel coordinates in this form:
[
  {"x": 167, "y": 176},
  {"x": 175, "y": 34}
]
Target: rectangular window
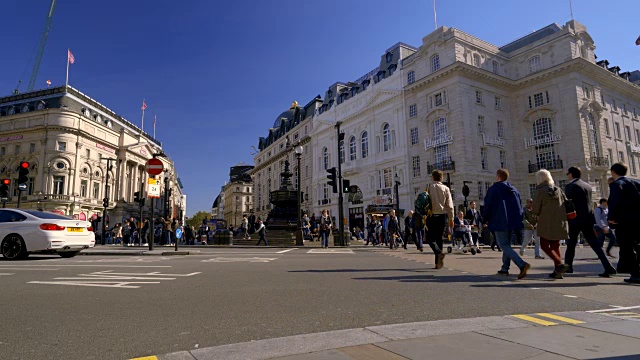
[
  {"x": 585, "y": 92},
  {"x": 495, "y": 67},
  {"x": 538, "y": 100},
  {"x": 83, "y": 188},
  {"x": 610, "y": 155},
  {"x": 624, "y": 109},
  {"x": 16, "y": 150},
  {"x": 32, "y": 148},
  {"x": 478, "y": 97},
  {"x": 411, "y": 77},
  {"x": 500, "y": 129},
  {"x": 616, "y": 126},
  {"x": 96, "y": 190},
  {"x": 620, "y": 156},
  {"x": 325, "y": 191},
  {"x": 387, "y": 177},
  {"x": 627, "y": 133},
  {"x": 414, "y": 136},
  {"x": 3, "y": 150},
  {"x": 483, "y": 158},
  {"x": 480, "y": 190},
  {"x": 61, "y": 146},
  {"x": 58, "y": 185},
  {"x": 602, "y": 102},
  {"x": 413, "y": 110},
  {"x": 635, "y": 113},
  {"x": 613, "y": 105},
  {"x": 441, "y": 153},
  {"x": 88, "y": 153},
  {"x": 480, "y": 124},
  {"x": 416, "y": 166},
  {"x": 503, "y": 159},
  {"x": 637, "y": 137},
  {"x": 606, "y": 127},
  {"x": 498, "y": 102},
  {"x": 632, "y": 162}
]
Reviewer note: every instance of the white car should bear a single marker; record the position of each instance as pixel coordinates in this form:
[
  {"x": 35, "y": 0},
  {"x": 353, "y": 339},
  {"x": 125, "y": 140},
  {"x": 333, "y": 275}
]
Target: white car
[{"x": 23, "y": 232}]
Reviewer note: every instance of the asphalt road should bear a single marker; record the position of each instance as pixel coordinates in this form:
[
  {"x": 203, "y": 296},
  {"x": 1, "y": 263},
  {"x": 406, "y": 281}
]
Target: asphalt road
[{"x": 119, "y": 307}]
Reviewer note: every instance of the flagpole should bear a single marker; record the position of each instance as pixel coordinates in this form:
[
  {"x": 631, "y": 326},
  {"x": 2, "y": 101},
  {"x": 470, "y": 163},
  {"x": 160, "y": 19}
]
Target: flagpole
[
  {"x": 435, "y": 19},
  {"x": 67, "y": 81},
  {"x": 571, "y": 9},
  {"x": 143, "y": 115},
  {"x": 154, "y": 126}
]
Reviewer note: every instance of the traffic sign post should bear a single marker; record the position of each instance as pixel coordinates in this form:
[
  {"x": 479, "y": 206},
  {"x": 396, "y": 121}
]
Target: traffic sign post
[
  {"x": 153, "y": 189},
  {"x": 154, "y": 167}
]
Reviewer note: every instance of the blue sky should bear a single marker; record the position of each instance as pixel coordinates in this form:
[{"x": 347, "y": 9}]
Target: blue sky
[{"x": 217, "y": 73}]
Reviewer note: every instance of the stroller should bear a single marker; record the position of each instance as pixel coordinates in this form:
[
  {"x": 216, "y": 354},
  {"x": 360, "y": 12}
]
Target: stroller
[{"x": 462, "y": 241}]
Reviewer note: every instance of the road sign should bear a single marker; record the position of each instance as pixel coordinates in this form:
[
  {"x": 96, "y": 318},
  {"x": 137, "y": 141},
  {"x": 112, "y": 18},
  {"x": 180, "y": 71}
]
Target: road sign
[
  {"x": 154, "y": 166},
  {"x": 22, "y": 187},
  {"x": 153, "y": 189},
  {"x": 179, "y": 233}
]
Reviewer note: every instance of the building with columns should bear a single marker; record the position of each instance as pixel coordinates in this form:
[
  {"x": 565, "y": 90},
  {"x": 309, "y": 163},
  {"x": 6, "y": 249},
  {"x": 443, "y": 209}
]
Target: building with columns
[
  {"x": 67, "y": 137},
  {"x": 237, "y": 195}
]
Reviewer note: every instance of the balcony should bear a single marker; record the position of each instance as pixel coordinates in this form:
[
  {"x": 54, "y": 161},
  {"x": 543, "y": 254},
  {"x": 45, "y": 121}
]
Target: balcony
[
  {"x": 554, "y": 164},
  {"x": 598, "y": 162},
  {"x": 448, "y": 165}
]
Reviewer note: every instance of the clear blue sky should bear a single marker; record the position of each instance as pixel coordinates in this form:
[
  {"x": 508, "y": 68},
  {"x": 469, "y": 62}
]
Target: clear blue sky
[{"x": 217, "y": 73}]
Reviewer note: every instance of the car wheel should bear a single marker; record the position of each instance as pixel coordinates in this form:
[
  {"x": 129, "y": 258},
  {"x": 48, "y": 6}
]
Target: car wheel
[
  {"x": 13, "y": 247},
  {"x": 68, "y": 254}
]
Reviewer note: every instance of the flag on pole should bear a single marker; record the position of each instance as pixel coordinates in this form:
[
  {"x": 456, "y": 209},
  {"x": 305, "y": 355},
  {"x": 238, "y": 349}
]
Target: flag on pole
[
  {"x": 70, "y": 56},
  {"x": 154, "y": 126},
  {"x": 144, "y": 105},
  {"x": 638, "y": 41}
]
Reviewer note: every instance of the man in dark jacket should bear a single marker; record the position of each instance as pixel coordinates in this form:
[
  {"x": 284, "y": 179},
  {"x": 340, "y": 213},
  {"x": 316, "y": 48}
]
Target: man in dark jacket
[
  {"x": 474, "y": 218},
  {"x": 624, "y": 196},
  {"x": 580, "y": 194},
  {"x": 503, "y": 213}
]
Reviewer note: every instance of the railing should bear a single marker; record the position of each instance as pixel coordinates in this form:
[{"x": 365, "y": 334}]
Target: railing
[
  {"x": 598, "y": 162},
  {"x": 554, "y": 164},
  {"x": 448, "y": 165}
]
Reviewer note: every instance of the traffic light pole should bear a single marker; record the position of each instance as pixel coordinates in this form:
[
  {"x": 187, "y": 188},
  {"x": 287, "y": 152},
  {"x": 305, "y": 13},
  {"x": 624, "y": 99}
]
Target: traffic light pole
[
  {"x": 105, "y": 203},
  {"x": 340, "y": 189}
]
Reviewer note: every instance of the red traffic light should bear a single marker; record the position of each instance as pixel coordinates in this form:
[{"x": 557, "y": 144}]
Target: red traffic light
[
  {"x": 24, "y": 165},
  {"x": 6, "y": 182}
]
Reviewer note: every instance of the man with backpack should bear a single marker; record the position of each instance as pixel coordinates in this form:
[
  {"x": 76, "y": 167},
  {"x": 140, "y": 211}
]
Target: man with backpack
[{"x": 624, "y": 196}]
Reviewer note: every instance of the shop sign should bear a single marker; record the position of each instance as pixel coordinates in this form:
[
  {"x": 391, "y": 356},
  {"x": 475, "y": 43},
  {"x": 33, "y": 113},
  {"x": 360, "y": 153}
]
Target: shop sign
[
  {"x": 546, "y": 140},
  {"x": 382, "y": 200},
  {"x": 102, "y": 147},
  {"x": 438, "y": 141},
  {"x": 10, "y": 138},
  {"x": 494, "y": 141}
]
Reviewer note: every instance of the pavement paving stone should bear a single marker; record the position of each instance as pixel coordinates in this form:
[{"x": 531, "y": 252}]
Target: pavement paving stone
[
  {"x": 442, "y": 327},
  {"x": 270, "y": 348},
  {"x": 572, "y": 341},
  {"x": 463, "y": 346},
  {"x": 336, "y": 354},
  {"x": 624, "y": 327}
]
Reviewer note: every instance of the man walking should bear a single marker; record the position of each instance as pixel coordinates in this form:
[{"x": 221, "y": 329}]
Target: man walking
[
  {"x": 503, "y": 213},
  {"x": 252, "y": 222},
  {"x": 579, "y": 192},
  {"x": 602, "y": 226},
  {"x": 624, "y": 196},
  {"x": 393, "y": 230},
  {"x": 408, "y": 231},
  {"x": 261, "y": 230},
  {"x": 441, "y": 211},
  {"x": 475, "y": 220}
]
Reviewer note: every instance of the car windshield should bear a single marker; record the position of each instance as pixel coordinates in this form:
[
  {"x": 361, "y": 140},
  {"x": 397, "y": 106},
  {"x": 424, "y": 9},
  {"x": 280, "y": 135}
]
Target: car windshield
[{"x": 46, "y": 215}]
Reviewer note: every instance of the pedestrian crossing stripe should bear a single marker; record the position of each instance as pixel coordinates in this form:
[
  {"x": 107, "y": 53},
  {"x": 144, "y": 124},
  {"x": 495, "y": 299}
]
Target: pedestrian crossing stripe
[
  {"x": 543, "y": 322},
  {"x": 146, "y": 358},
  {"x": 624, "y": 315}
]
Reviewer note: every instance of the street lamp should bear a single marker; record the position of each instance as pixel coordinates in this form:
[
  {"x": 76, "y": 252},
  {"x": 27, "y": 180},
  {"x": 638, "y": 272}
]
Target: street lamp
[
  {"x": 397, "y": 184},
  {"x": 299, "y": 238}
]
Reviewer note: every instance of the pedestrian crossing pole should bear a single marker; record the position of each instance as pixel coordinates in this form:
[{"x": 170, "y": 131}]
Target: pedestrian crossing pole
[{"x": 340, "y": 189}]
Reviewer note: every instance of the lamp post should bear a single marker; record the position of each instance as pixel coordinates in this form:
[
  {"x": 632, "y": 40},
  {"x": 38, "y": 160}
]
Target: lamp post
[
  {"x": 397, "y": 184},
  {"x": 299, "y": 238}
]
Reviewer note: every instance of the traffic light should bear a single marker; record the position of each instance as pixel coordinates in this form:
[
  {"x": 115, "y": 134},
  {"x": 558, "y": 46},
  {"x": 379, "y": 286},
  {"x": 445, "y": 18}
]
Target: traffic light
[
  {"x": 105, "y": 202},
  {"x": 4, "y": 188},
  {"x": 333, "y": 179},
  {"x": 465, "y": 190},
  {"x": 345, "y": 185},
  {"x": 136, "y": 196},
  {"x": 23, "y": 172}
]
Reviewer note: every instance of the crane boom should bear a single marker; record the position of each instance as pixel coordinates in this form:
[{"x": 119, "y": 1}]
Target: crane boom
[{"x": 43, "y": 42}]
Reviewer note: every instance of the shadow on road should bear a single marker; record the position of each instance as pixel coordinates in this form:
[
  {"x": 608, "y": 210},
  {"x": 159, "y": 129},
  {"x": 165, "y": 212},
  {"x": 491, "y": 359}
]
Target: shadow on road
[{"x": 30, "y": 258}]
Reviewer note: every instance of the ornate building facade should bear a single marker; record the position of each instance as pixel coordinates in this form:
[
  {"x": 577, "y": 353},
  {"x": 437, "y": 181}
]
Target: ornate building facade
[
  {"x": 67, "y": 137},
  {"x": 467, "y": 107}
]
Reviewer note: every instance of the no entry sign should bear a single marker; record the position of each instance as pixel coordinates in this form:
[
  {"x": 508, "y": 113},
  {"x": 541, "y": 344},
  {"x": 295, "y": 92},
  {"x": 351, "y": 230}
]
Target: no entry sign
[{"x": 154, "y": 167}]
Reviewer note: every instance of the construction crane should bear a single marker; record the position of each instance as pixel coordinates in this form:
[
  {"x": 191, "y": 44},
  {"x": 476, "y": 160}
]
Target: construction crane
[{"x": 43, "y": 42}]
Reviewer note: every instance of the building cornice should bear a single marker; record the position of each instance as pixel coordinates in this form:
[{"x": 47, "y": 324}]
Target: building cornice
[{"x": 303, "y": 141}]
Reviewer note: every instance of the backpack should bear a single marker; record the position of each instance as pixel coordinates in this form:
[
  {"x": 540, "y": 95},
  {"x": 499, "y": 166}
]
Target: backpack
[{"x": 423, "y": 204}]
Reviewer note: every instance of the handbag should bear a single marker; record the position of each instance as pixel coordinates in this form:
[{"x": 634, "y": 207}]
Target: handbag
[{"x": 569, "y": 208}]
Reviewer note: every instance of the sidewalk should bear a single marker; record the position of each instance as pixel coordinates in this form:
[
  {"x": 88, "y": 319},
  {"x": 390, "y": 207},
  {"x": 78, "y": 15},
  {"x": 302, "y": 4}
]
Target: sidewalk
[{"x": 541, "y": 336}]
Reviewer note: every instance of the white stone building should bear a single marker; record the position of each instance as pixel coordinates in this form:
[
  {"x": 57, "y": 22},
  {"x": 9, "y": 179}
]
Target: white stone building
[{"x": 66, "y": 137}]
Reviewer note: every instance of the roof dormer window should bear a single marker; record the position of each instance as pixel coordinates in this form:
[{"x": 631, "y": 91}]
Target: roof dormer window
[
  {"x": 330, "y": 94},
  {"x": 25, "y": 108},
  {"x": 389, "y": 57}
]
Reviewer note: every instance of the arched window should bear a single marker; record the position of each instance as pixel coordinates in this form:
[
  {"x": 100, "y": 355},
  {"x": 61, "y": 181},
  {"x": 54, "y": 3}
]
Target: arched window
[
  {"x": 341, "y": 151},
  {"x": 545, "y": 154},
  {"x": 594, "y": 135},
  {"x": 389, "y": 57},
  {"x": 534, "y": 64},
  {"x": 441, "y": 152},
  {"x": 435, "y": 63},
  {"x": 325, "y": 158},
  {"x": 386, "y": 137},
  {"x": 352, "y": 148},
  {"x": 364, "y": 142}
]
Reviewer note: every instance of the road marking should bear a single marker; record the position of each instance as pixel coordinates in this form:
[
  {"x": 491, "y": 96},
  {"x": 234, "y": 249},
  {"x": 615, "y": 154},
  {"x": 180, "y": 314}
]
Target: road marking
[
  {"x": 93, "y": 265},
  {"x": 108, "y": 278},
  {"x": 534, "y": 288},
  {"x": 146, "y": 358},
  {"x": 570, "y": 296},
  {"x": 284, "y": 251},
  {"x": 229, "y": 260},
  {"x": 624, "y": 313},
  {"x": 615, "y": 309},
  {"x": 330, "y": 251},
  {"x": 560, "y": 318},
  {"x": 6, "y": 274},
  {"x": 23, "y": 269},
  {"x": 534, "y": 320}
]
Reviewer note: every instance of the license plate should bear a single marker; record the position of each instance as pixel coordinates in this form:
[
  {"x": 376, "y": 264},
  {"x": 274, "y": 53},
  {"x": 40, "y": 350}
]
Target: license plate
[{"x": 74, "y": 229}]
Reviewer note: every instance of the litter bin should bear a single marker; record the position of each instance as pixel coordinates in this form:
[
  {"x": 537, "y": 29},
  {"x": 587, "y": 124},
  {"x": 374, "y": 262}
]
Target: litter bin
[{"x": 226, "y": 238}]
